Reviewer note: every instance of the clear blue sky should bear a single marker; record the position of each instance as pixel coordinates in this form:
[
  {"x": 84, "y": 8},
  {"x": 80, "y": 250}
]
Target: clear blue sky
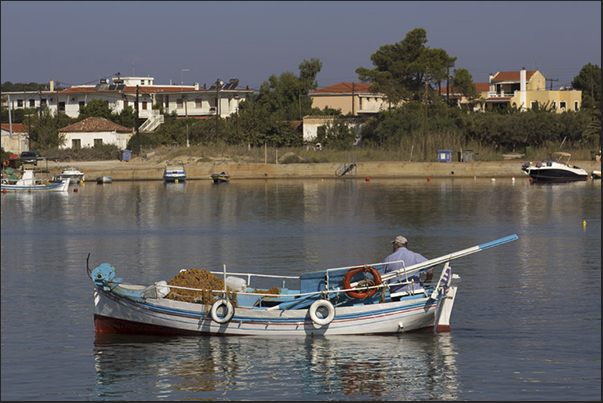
[{"x": 77, "y": 42}]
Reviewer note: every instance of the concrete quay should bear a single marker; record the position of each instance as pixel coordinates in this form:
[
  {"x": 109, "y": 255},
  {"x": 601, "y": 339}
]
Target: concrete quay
[{"x": 135, "y": 170}]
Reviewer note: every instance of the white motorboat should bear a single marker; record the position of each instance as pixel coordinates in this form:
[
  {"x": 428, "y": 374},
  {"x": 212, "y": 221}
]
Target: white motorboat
[
  {"x": 174, "y": 171},
  {"x": 554, "y": 168},
  {"x": 71, "y": 173}
]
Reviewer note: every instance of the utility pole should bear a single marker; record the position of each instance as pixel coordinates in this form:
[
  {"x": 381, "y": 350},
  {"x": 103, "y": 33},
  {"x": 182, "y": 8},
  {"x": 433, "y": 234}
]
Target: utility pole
[
  {"x": 236, "y": 97},
  {"x": 136, "y": 123},
  {"x": 448, "y": 86},
  {"x": 425, "y": 117},
  {"x": 551, "y": 80},
  {"x": 352, "y": 99},
  {"x": 217, "y": 106}
]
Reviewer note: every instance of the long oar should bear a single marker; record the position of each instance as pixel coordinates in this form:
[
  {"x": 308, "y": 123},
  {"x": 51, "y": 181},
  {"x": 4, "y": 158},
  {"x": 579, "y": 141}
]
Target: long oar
[{"x": 446, "y": 258}]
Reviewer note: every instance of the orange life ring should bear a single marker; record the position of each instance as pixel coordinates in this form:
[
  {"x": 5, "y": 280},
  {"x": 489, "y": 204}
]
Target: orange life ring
[
  {"x": 6, "y": 163},
  {"x": 347, "y": 281}
]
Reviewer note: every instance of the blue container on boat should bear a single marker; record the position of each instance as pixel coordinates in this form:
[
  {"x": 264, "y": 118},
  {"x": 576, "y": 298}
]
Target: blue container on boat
[
  {"x": 444, "y": 155},
  {"x": 125, "y": 155}
]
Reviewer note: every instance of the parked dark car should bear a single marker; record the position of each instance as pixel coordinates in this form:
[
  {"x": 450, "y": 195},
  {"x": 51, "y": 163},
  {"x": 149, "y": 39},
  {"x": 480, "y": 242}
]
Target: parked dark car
[{"x": 29, "y": 157}]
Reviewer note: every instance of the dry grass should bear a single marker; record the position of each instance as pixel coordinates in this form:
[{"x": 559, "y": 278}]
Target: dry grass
[{"x": 407, "y": 152}]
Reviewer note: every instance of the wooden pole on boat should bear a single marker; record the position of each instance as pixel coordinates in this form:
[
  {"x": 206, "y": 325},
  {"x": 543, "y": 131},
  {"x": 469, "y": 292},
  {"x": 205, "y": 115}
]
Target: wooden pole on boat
[{"x": 447, "y": 258}]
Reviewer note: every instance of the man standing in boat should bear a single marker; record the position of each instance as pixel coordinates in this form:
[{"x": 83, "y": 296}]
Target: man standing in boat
[{"x": 405, "y": 258}]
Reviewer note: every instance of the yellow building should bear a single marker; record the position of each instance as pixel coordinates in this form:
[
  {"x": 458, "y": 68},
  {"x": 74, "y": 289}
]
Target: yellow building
[{"x": 527, "y": 90}]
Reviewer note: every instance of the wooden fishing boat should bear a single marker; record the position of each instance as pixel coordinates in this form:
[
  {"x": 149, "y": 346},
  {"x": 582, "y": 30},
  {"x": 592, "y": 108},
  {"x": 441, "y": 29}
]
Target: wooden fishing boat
[
  {"x": 29, "y": 183},
  {"x": 340, "y": 301},
  {"x": 222, "y": 177}
]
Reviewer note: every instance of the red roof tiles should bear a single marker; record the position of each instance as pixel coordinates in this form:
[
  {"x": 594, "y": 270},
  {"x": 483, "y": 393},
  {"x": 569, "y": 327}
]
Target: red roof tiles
[
  {"x": 94, "y": 124},
  {"x": 511, "y": 76},
  {"x": 344, "y": 88},
  {"x": 17, "y": 127}
]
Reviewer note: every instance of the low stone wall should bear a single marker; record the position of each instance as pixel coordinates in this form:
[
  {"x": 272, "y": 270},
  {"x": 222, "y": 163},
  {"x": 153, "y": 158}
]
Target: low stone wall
[{"x": 127, "y": 171}]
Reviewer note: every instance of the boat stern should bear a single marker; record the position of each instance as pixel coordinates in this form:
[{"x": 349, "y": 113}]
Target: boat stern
[{"x": 446, "y": 294}]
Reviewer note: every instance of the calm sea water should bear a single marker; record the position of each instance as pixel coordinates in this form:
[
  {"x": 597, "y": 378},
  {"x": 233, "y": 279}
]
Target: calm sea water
[{"x": 526, "y": 324}]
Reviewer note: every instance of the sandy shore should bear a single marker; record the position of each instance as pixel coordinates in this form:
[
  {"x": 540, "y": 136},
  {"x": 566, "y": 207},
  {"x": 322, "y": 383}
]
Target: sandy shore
[{"x": 141, "y": 169}]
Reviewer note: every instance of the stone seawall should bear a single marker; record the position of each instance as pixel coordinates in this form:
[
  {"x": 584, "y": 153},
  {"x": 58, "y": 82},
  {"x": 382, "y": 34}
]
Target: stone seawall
[{"x": 136, "y": 170}]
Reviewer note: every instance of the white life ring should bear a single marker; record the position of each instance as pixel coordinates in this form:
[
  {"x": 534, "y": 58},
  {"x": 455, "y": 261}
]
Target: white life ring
[
  {"x": 229, "y": 311},
  {"x": 314, "y": 309}
]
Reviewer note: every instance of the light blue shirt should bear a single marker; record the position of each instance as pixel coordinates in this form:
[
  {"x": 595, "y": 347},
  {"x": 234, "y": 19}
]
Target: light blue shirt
[{"x": 408, "y": 259}]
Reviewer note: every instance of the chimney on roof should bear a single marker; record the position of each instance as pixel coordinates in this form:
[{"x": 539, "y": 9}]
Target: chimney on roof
[
  {"x": 196, "y": 86},
  {"x": 51, "y": 84}
]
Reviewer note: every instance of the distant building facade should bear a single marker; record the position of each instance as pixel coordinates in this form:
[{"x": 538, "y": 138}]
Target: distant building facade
[{"x": 184, "y": 100}]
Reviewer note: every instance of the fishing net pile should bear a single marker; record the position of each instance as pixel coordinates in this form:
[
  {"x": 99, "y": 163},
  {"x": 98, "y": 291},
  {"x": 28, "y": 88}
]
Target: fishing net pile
[
  {"x": 202, "y": 280},
  {"x": 205, "y": 285}
]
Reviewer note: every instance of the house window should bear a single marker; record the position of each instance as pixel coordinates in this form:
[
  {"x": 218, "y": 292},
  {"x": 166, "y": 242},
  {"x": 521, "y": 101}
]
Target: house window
[
  {"x": 98, "y": 142},
  {"x": 562, "y": 105},
  {"x": 576, "y": 106},
  {"x": 167, "y": 101},
  {"x": 82, "y": 104},
  {"x": 141, "y": 82},
  {"x": 198, "y": 103},
  {"x": 76, "y": 144},
  {"x": 19, "y": 103},
  {"x": 144, "y": 105},
  {"x": 32, "y": 103},
  {"x": 43, "y": 102},
  {"x": 62, "y": 106},
  {"x": 179, "y": 103}
]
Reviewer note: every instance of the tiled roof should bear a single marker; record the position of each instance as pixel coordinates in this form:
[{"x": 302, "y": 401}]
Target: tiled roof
[
  {"x": 145, "y": 89},
  {"x": 17, "y": 127},
  {"x": 344, "y": 88},
  {"x": 511, "y": 76},
  {"x": 94, "y": 124},
  {"x": 480, "y": 87}
]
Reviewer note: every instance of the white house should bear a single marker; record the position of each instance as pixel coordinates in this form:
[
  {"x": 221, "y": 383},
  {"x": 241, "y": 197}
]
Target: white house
[
  {"x": 221, "y": 98},
  {"x": 15, "y": 138},
  {"x": 94, "y": 131}
]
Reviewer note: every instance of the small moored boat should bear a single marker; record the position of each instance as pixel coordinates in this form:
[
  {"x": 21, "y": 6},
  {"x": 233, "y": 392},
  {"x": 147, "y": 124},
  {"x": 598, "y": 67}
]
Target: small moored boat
[
  {"x": 71, "y": 173},
  {"x": 340, "y": 301},
  {"x": 28, "y": 182},
  {"x": 595, "y": 174},
  {"x": 174, "y": 171},
  {"x": 104, "y": 179},
  {"x": 222, "y": 177},
  {"x": 554, "y": 168}
]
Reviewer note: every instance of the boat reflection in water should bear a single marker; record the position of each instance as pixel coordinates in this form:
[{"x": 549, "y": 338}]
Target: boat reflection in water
[{"x": 400, "y": 367}]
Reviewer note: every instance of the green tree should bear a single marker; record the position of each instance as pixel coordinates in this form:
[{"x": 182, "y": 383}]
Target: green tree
[
  {"x": 462, "y": 82},
  {"x": 589, "y": 82},
  {"x": 286, "y": 96},
  {"x": 402, "y": 68},
  {"x": 96, "y": 108}
]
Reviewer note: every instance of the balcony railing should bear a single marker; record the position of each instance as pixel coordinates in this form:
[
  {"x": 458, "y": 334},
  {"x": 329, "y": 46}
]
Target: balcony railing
[{"x": 494, "y": 94}]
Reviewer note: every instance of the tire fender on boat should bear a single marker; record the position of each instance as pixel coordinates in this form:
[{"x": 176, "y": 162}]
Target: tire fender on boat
[
  {"x": 347, "y": 281},
  {"x": 314, "y": 310},
  {"x": 229, "y": 311}
]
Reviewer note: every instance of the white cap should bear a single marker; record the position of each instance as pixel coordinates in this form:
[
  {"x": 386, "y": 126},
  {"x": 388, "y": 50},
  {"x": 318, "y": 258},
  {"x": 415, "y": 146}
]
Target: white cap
[{"x": 400, "y": 239}]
